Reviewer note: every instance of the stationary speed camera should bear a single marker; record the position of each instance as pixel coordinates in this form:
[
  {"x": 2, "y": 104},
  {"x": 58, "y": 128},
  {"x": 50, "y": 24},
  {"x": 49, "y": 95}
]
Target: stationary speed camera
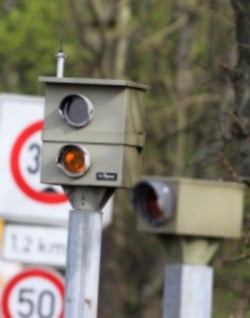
[
  {"x": 192, "y": 207},
  {"x": 93, "y": 132}
]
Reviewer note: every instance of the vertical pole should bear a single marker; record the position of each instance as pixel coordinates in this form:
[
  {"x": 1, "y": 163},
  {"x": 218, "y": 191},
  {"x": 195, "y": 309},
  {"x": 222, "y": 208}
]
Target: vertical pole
[
  {"x": 83, "y": 264},
  {"x": 60, "y": 63},
  {"x": 187, "y": 291}
]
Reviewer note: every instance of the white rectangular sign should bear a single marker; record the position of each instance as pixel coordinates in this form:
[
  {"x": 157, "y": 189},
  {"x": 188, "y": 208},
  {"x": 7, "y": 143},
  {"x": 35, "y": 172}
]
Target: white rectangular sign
[
  {"x": 22, "y": 196},
  {"x": 33, "y": 244}
]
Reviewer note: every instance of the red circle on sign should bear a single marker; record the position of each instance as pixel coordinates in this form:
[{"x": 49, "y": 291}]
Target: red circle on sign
[
  {"x": 50, "y": 276},
  {"x": 44, "y": 197}
]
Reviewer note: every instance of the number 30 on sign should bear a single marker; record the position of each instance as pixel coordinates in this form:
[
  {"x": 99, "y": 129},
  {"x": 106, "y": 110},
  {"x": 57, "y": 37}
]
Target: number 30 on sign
[{"x": 33, "y": 293}]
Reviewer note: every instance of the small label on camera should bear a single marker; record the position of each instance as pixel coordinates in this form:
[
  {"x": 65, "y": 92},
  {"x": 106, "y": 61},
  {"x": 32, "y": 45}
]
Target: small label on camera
[{"x": 107, "y": 176}]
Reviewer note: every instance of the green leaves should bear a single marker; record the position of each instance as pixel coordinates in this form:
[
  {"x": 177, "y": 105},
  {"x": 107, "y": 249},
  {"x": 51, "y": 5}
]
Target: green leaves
[{"x": 29, "y": 36}]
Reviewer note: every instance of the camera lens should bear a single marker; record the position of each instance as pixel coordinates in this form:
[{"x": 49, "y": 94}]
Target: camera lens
[{"x": 76, "y": 110}]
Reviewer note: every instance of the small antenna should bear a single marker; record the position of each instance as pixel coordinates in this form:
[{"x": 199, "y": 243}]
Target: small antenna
[{"x": 60, "y": 56}]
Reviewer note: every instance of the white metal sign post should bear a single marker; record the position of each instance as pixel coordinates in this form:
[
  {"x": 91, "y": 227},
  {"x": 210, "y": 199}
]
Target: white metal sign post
[
  {"x": 83, "y": 264},
  {"x": 188, "y": 291},
  {"x": 33, "y": 293}
]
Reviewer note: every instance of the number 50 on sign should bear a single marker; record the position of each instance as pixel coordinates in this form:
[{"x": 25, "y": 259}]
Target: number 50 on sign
[{"x": 33, "y": 293}]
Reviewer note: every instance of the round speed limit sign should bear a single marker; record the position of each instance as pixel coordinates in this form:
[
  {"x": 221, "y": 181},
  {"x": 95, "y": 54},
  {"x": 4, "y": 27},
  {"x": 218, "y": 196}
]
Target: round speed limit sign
[
  {"x": 33, "y": 293},
  {"x": 22, "y": 196},
  {"x": 26, "y": 153}
]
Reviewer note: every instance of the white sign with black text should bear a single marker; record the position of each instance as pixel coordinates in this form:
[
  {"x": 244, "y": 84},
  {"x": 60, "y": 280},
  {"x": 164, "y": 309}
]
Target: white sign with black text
[{"x": 33, "y": 244}]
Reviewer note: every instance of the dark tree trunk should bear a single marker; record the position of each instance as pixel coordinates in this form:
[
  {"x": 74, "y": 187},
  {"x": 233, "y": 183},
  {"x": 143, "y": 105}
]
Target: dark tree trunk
[{"x": 241, "y": 81}]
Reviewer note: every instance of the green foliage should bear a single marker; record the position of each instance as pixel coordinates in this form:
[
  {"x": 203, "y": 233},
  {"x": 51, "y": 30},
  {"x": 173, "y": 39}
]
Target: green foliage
[{"x": 29, "y": 35}]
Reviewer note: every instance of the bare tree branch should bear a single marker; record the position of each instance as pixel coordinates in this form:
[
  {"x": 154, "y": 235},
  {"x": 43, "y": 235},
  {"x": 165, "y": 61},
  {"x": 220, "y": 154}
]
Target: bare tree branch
[
  {"x": 80, "y": 26},
  {"x": 123, "y": 20}
]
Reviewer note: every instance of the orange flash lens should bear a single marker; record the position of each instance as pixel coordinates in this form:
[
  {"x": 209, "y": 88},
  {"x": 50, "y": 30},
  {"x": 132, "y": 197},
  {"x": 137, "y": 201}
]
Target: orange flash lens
[{"x": 74, "y": 160}]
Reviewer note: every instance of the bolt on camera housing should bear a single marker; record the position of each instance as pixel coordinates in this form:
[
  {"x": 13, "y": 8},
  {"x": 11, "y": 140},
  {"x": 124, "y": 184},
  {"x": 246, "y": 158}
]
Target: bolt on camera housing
[{"x": 192, "y": 207}]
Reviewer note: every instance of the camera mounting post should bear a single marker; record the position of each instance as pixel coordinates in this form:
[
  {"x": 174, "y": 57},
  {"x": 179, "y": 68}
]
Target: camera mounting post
[
  {"x": 190, "y": 217},
  {"x": 93, "y": 136}
]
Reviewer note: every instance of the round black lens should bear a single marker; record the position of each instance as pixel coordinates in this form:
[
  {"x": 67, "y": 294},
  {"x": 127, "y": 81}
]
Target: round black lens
[{"x": 76, "y": 110}]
